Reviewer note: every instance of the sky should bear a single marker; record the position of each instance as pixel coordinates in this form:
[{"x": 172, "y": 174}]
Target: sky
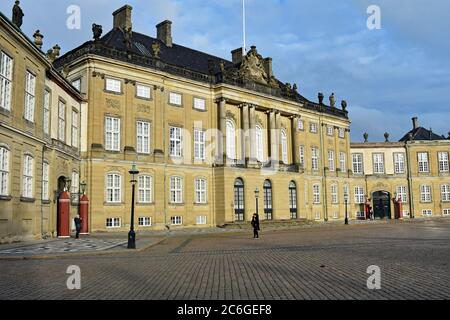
[{"x": 386, "y": 75}]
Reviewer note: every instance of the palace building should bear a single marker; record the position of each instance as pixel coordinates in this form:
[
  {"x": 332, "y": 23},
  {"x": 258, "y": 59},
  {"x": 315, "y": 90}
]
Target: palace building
[{"x": 214, "y": 140}]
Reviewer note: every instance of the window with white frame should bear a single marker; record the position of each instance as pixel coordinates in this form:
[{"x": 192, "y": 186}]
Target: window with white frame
[
  {"x": 346, "y": 193},
  {"x": 331, "y": 160},
  {"x": 112, "y": 134},
  {"x": 317, "y": 216},
  {"x": 342, "y": 162},
  {"x": 316, "y": 194},
  {"x": 357, "y": 163},
  {"x": 113, "y": 188},
  {"x": 113, "y": 223},
  {"x": 75, "y": 185},
  {"x": 46, "y": 115},
  {"x": 427, "y": 212},
  {"x": 231, "y": 140},
  {"x": 200, "y": 104},
  {"x": 45, "y": 181},
  {"x": 199, "y": 144},
  {"x": 259, "y": 144},
  {"x": 200, "y": 191},
  {"x": 334, "y": 194},
  {"x": 61, "y": 120},
  {"x": 145, "y": 221},
  {"x": 284, "y": 147},
  {"x": 424, "y": 166},
  {"x": 302, "y": 156},
  {"x": 77, "y": 84},
  {"x": 176, "y": 190},
  {"x": 4, "y": 171},
  {"x": 399, "y": 163},
  {"x": 6, "y": 71},
  {"x": 143, "y": 137},
  {"x": 27, "y": 181},
  {"x": 443, "y": 162},
  {"x": 300, "y": 125},
  {"x": 113, "y": 85},
  {"x": 175, "y": 99},
  {"x": 341, "y": 133},
  {"x": 315, "y": 159},
  {"x": 143, "y": 92},
  {"x": 378, "y": 163},
  {"x": 446, "y": 212},
  {"x": 445, "y": 192},
  {"x": 313, "y": 127},
  {"x": 330, "y": 130},
  {"x": 74, "y": 129},
  {"x": 360, "y": 214},
  {"x": 145, "y": 193},
  {"x": 402, "y": 194},
  {"x": 176, "y": 140},
  {"x": 176, "y": 221},
  {"x": 335, "y": 215},
  {"x": 201, "y": 220},
  {"x": 30, "y": 88},
  {"x": 359, "y": 195},
  {"x": 425, "y": 193}
]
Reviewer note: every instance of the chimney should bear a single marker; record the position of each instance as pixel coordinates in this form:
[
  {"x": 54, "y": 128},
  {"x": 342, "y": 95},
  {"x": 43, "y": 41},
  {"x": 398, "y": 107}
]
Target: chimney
[
  {"x": 164, "y": 32},
  {"x": 237, "y": 55},
  {"x": 268, "y": 67},
  {"x": 122, "y": 18},
  {"x": 415, "y": 121}
]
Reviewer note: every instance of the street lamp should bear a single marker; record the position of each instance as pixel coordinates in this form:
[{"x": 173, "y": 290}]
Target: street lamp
[
  {"x": 83, "y": 185},
  {"x": 68, "y": 184},
  {"x": 256, "y": 198},
  {"x": 346, "y": 206},
  {"x": 132, "y": 235}
]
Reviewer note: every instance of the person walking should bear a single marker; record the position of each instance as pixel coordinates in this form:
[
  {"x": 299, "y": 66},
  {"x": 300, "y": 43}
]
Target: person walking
[
  {"x": 78, "y": 221},
  {"x": 255, "y": 225}
]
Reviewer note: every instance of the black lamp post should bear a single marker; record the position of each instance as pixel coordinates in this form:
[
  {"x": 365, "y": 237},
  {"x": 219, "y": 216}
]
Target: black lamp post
[
  {"x": 132, "y": 235},
  {"x": 346, "y": 207},
  {"x": 256, "y": 198},
  {"x": 68, "y": 184},
  {"x": 83, "y": 185}
]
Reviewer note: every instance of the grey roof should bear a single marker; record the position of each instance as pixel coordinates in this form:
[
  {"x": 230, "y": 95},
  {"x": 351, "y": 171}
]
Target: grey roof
[{"x": 421, "y": 134}]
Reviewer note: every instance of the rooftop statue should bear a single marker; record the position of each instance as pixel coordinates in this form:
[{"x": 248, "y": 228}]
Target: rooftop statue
[{"x": 17, "y": 15}]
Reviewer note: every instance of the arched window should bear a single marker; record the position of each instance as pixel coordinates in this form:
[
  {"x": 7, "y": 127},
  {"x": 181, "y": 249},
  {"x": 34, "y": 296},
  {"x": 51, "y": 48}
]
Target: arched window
[
  {"x": 268, "y": 208},
  {"x": 239, "y": 203},
  {"x": 284, "y": 147},
  {"x": 231, "y": 140},
  {"x": 4, "y": 171},
  {"x": 259, "y": 144},
  {"x": 293, "y": 200}
]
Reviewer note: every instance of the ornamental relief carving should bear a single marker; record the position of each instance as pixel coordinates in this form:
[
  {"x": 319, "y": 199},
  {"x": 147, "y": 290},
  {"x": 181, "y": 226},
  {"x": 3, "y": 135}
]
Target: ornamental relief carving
[
  {"x": 143, "y": 108},
  {"x": 231, "y": 115},
  {"x": 114, "y": 104}
]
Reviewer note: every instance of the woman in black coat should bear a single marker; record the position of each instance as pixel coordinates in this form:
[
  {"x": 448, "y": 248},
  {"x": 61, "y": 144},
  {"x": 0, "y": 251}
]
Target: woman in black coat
[
  {"x": 255, "y": 225},
  {"x": 78, "y": 222}
]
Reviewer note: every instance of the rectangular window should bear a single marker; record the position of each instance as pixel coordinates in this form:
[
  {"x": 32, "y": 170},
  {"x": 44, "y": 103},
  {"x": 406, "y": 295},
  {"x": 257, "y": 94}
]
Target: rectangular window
[
  {"x": 145, "y": 221},
  {"x": 378, "y": 163},
  {"x": 446, "y": 212},
  {"x": 143, "y": 137},
  {"x": 200, "y": 104},
  {"x": 342, "y": 162},
  {"x": 313, "y": 127},
  {"x": 335, "y": 215},
  {"x": 199, "y": 144},
  {"x": 75, "y": 184},
  {"x": 143, "y": 91},
  {"x": 445, "y": 192},
  {"x": 301, "y": 125},
  {"x": 77, "y": 84},
  {"x": 176, "y": 190},
  {"x": 113, "y": 85},
  {"x": 175, "y": 142},
  {"x": 201, "y": 220},
  {"x": 112, "y": 134},
  {"x": 302, "y": 156},
  {"x": 317, "y": 216},
  {"x": 360, "y": 214},
  {"x": 399, "y": 163},
  {"x": 424, "y": 166},
  {"x": 45, "y": 179},
  {"x": 145, "y": 189},
  {"x": 402, "y": 194},
  {"x": 114, "y": 188},
  {"x": 28, "y": 176},
  {"x": 61, "y": 121},
  {"x": 176, "y": 221},
  {"x": 175, "y": 99},
  {"x": 357, "y": 163},
  {"x": 443, "y": 162},
  {"x": 359, "y": 195},
  {"x": 6, "y": 71},
  {"x": 46, "y": 116},
  {"x": 342, "y": 133},
  {"x": 331, "y": 160},
  {"x": 425, "y": 193},
  {"x": 427, "y": 212},
  {"x": 316, "y": 194},
  {"x": 315, "y": 159},
  {"x": 4, "y": 171},
  {"x": 74, "y": 129},
  {"x": 334, "y": 194},
  {"x": 30, "y": 88},
  {"x": 113, "y": 223},
  {"x": 200, "y": 191},
  {"x": 330, "y": 130}
]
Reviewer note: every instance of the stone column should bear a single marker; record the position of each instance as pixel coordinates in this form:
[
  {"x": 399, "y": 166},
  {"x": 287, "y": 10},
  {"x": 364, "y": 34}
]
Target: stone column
[
  {"x": 246, "y": 132},
  {"x": 252, "y": 144},
  {"x": 222, "y": 141}
]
